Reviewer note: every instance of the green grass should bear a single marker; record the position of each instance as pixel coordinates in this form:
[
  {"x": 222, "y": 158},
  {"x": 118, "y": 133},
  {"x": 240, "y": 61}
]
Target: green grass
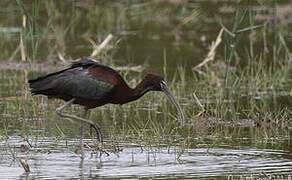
[{"x": 248, "y": 79}]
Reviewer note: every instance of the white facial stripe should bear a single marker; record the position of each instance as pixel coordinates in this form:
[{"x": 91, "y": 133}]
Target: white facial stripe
[{"x": 163, "y": 84}]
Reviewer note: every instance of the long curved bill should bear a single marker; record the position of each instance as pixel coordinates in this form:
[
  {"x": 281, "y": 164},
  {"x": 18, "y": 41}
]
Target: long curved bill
[{"x": 172, "y": 99}]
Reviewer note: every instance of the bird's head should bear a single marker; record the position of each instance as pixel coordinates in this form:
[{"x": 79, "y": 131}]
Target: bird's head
[{"x": 154, "y": 82}]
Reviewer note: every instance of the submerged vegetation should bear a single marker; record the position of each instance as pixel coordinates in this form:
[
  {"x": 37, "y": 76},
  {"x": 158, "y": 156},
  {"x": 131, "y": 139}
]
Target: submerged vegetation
[{"x": 235, "y": 87}]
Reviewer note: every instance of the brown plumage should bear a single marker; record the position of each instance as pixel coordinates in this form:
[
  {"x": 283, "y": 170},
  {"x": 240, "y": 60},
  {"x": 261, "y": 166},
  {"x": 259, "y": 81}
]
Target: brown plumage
[{"x": 91, "y": 84}]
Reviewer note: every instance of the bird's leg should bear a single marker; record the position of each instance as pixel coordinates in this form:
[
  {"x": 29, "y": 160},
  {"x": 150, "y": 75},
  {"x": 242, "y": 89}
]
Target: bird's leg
[
  {"x": 91, "y": 127},
  {"x": 100, "y": 145},
  {"x": 60, "y": 112},
  {"x": 84, "y": 115}
]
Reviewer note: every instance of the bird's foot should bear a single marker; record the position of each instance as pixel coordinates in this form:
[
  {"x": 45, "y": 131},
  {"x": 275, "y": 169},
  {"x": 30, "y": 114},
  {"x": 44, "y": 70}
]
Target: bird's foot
[
  {"x": 98, "y": 149},
  {"x": 101, "y": 149}
]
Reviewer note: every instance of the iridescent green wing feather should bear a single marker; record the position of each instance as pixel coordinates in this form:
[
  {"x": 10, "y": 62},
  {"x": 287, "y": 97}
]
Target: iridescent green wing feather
[{"x": 82, "y": 86}]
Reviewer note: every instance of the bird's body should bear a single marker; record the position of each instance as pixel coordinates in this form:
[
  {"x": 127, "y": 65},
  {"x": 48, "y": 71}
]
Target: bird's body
[{"x": 90, "y": 84}]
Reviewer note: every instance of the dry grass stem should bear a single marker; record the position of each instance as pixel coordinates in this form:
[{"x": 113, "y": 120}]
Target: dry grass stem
[
  {"x": 93, "y": 43},
  {"x": 198, "y": 101},
  {"x": 249, "y": 28},
  {"x": 22, "y": 50},
  {"x": 212, "y": 52},
  {"x": 97, "y": 49},
  {"x": 227, "y": 31},
  {"x": 24, "y": 21},
  {"x": 25, "y": 165},
  {"x": 137, "y": 68},
  {"x": 15, "y": 52},
  {"x": 61, "y": 57},
  {"x": 21, "y": 45}
]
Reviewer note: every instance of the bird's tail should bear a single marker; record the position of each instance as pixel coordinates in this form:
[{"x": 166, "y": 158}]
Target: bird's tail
[
  {"x": 46, "y": 84},
  {"x": 43, "y": 85}
]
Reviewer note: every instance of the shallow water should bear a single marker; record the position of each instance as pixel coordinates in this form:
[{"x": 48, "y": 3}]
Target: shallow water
[{"x": 53, "y": 159}]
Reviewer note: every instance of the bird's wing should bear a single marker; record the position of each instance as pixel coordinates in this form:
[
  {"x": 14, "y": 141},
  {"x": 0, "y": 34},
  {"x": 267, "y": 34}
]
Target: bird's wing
[
  {"x": 77, "y": 84},
  {"x": 85, "y": 79}
]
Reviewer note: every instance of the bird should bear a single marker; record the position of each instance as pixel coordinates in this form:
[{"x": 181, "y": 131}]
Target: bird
[{"x": 91, "y": 84}]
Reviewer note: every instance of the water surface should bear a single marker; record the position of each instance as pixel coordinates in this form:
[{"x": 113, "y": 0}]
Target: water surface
[{"x": 56, "y": 160}]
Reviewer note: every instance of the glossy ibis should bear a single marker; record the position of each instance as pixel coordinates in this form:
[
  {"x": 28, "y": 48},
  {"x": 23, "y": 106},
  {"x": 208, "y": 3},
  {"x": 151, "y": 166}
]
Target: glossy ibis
[{"x": 90, "y": 85}]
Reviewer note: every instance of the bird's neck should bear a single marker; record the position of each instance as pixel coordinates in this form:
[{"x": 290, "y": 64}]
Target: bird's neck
[
  {"x": 140, "y": 89},
  {"x": 135, "y": 93}
]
